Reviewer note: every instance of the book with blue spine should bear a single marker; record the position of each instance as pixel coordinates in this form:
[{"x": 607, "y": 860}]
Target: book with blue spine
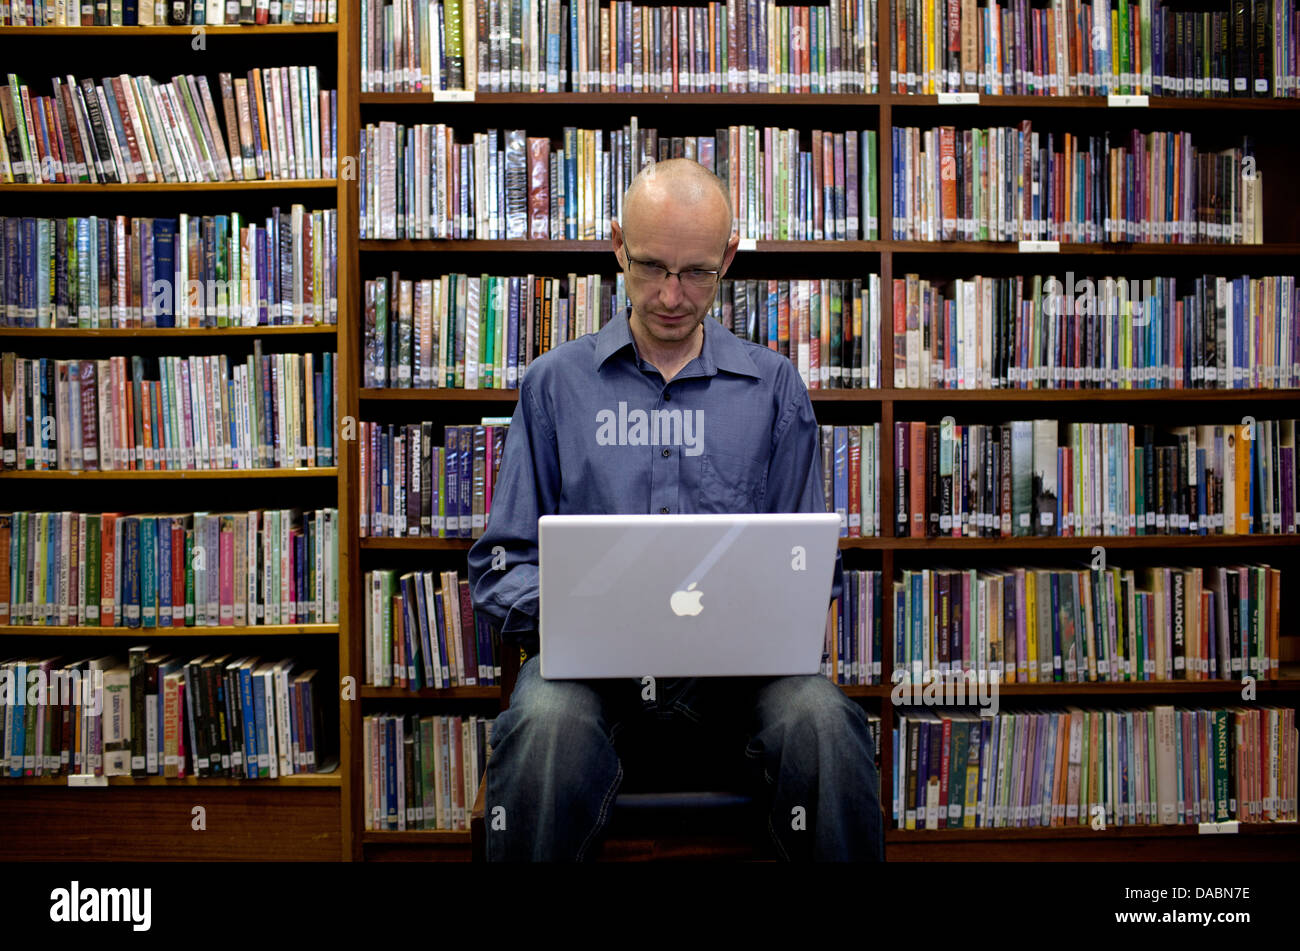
[
  {"x": 421, "y": 587},
  {"x": 440, "y": 608},
  {"x": 27, "y": 306},
  {"x": 512, "y": 334},
  {"x": 261, "y": 722},
  {"x": 570, "y": 163},
  {"x": 410, "y": 629},
  {"x": 248, "y": 713},
  {"x": 261, "y": 290},
  {"x": 43, "y": 290},
  {"x": 17, "y": 721},
  {"x": 389, "y": 727},
  {"x": 148, "y": 570},
  {"x": 164, "y": 270},
  {"x": 130, "y": 577}
]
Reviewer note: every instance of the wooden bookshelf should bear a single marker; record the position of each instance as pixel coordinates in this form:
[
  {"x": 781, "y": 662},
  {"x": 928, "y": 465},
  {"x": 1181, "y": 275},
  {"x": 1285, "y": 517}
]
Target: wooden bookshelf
[
  {"x": 165, "y": 333},
  {"x": 310, "y": 780},
  {"x": 546, "y": 113},
  {"x": 135, "y": 633},
  {"x": 570, "y": 246},
  {"x": 299, "y": 817},
  {"x": 1011, "y": 395},
  {"x": 320, "y": 815},
  {"x": 813, "y": 99},
  {"x": 319, "y": 472},
  {"x": 278, "y": 184},
  {"x": 122, "y": 32}
]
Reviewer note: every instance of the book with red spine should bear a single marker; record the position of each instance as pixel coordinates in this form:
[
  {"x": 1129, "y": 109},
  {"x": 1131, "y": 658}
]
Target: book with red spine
[{"x": 915, "y": 463}]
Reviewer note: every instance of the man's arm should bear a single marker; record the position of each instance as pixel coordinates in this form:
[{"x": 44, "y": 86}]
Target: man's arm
[
  {"x": 794, "y": 476},
  {"x": 503, "y": 561}
]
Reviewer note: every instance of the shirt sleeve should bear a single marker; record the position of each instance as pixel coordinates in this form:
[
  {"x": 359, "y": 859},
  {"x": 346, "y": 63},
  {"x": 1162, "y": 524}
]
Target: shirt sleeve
[
  {"x": 794, "y": 476},
  {"x": 503, "y": 575}
]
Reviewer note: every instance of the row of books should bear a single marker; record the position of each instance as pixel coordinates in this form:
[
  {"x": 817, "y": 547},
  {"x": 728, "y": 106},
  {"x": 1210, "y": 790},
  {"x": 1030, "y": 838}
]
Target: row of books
[
  {"x": 851, "y": 477},
  {"x": 1036, "y": 332},
  {"x": 272, "y": 411},
  {"x": 1097, "y": 624},
  {"x": 1081, "y": 48},
  {"x": 156, "y": 714},
  {"x": 235, "y": 569},
  {"x": 829, "y": 327},
  {"x": 422, "y": 632},
  {"x": 852, "y": 653},
  {"x": 1011, "y": 183},
  {"x": 411, "y": 488},
  {"x": 278, "y": 124},
  {"x": 1145, "y": 766},
  {"x": 1108, "y": 479},
  {"x": 422, "y": 772},
  {"x": 416, "y": 330},
  {"x": 477, "y": 331},
  {"x": 168, "y": 12},
  {"x": 584, "y": 46},
  {"x": 187, "y": 271},
  {"x": 419, "y": 182}
]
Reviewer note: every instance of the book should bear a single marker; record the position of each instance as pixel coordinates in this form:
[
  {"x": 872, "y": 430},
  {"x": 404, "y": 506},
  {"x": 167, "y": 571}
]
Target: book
[
  {"x": 191, "y": 271},
  {"x": 771, "y": 197},
  {"x": 1088, "y": 332},
  {"x": 144, "y": 571},
  {"x": 553, "y": 47},
  {"x": 1135, "y": 766},
  {"x": 1016, "y": 187},
  {"x": 1102, "y": 479},
  {"x": 134, "y": 129}
]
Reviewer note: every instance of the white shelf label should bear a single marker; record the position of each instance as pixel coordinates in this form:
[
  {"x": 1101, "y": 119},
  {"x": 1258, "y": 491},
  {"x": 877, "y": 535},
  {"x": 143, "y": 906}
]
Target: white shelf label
[
  {"x": 747, "y": 244},
  {"x": 959, "y": 99},
  {"x": 1128, "y": 100},
  {"x": 453, "y": 95},
  {"x": 1050, "y": 247},
  {"x": 86, "y": 779},
  {"x": 1219, "y": 828}
]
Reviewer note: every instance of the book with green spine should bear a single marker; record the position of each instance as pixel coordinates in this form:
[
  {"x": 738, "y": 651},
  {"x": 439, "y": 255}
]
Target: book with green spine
[{"x": 455, "y": 45}]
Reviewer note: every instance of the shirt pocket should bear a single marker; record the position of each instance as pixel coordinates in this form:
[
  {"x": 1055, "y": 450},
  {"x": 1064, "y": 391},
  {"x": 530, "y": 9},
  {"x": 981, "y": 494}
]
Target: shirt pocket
[{"x": 731, "y": 483}]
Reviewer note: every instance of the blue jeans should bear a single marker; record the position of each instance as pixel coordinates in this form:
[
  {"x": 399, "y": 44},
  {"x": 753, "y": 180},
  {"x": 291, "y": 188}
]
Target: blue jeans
[{"x": 555, "y": 770}]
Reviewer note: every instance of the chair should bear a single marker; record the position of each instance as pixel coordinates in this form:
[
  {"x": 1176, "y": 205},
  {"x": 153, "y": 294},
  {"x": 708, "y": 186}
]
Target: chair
[{"x": 678, "y": 800}]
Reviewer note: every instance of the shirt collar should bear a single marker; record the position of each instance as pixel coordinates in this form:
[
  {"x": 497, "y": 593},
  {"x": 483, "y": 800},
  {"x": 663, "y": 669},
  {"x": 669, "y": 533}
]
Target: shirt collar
[{"x": 722, "y": 350}]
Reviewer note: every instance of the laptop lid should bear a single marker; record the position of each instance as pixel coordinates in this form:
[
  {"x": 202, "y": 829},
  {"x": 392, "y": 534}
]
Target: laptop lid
[{"x": 684, "y": 595}]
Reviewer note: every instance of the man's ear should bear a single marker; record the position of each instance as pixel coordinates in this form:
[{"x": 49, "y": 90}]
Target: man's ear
[
  {"x": 616, "y": 237},
  {"x": 732, "y": 243}
]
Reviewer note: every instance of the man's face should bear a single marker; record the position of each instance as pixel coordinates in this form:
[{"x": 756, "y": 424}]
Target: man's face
[{"x": 668, "y": 309}]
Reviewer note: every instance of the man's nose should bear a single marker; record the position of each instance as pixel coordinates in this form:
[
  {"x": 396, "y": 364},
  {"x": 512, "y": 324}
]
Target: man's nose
[{"x": 670, "y": 290}]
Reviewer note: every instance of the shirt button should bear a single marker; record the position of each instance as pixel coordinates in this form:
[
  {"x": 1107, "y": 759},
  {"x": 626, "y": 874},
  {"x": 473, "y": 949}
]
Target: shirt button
[
  {"x": 664, "y": 510},
  {"x": 667, "y": 453},
  {"x": 668, "y": 397}
]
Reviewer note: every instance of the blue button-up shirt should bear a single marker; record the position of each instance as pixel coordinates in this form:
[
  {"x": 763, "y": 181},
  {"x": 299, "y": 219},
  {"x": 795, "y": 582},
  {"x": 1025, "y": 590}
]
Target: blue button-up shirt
[{"x": 597, "y": 431}]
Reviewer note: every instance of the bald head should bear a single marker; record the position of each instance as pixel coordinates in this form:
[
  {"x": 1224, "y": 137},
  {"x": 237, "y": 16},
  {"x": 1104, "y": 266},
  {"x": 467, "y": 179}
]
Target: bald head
[{"x": 677, "y": 186}]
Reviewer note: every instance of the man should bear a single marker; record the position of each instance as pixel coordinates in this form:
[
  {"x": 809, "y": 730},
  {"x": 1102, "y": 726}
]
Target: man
[{"x": 753, "y": 448}]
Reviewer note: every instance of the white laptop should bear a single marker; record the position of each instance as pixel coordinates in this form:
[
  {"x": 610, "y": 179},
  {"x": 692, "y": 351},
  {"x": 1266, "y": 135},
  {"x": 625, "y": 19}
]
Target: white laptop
[{"x": 684, "y": 595}]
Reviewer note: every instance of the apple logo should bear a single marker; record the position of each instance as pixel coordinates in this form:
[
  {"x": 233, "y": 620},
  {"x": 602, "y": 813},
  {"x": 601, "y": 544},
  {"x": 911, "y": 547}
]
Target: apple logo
[{"x": 687, "y": 602}]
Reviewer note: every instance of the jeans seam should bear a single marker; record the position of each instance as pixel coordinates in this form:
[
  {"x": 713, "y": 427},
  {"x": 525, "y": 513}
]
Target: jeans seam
[
  {"x": 687, "y": 712},
  {"x": 602, "y": 815}
]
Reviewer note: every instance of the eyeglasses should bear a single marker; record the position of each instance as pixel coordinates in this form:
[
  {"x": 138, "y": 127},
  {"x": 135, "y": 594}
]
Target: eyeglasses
[{"x": 650, "y": 272}]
